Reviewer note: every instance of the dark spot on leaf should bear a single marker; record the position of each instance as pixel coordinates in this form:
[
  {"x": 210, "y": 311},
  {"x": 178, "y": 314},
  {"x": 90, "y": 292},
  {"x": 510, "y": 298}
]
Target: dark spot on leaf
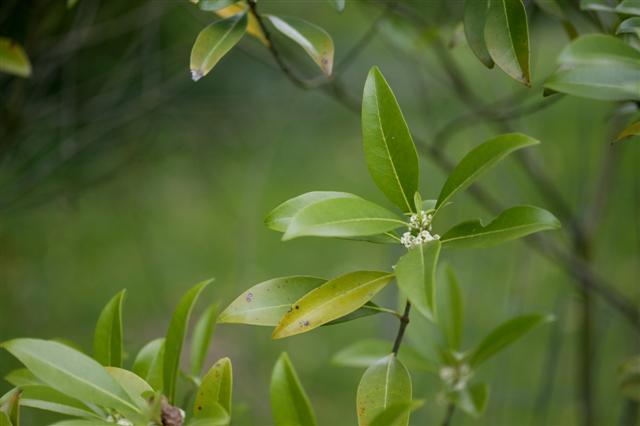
[
  {"x": 297, "y": 307},
  {"x": 249, "y": 297},
  {"x": 199, "y": 407},
  {"x": 306, "y": 323}
]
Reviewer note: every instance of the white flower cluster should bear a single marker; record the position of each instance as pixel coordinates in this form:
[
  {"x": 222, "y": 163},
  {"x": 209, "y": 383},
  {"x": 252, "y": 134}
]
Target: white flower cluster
[
  {"x": 457, "y": 377},
  {"x": 420, "y": 225}
]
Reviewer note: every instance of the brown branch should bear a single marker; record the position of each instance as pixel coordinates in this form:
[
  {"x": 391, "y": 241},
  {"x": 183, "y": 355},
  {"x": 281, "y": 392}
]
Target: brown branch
[
  {"x": 451, "y": 408},
  {"x": 404, "y": 321}
]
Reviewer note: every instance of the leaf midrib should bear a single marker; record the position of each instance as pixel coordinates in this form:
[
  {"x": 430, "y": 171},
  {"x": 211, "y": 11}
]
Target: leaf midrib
[
  {"x": 219, "y": 42},
  {"x": 497, "y": 231}
]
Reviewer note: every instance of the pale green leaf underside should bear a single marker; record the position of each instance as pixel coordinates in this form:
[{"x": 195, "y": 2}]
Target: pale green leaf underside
[{"x": 475, "y": 18}]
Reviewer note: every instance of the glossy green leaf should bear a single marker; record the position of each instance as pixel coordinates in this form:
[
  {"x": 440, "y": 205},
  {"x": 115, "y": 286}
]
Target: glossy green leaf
[
  {"x": 214, "y": 42},
  {"x": 290, "y": 405},
  {"x": 385, "y": 383},
  {"x": 315, "y": 41},
  {"x": 13, "y": 59},
  {"x": 22, "y": 377},
  {"x": 132, "y": 384},
  {"x": 597, "y": 5},
  {"x": 333, "y": 299},
  {"x": 202, "y": 334},
  {"x": 632, "y": 130},
  {"x": 388, "y": 147},
  {"x": 478, "y": 161},
  {"x": 267, "y": 302},
  {"x": 82, "y": 422},
  {"x": 71, "y": 373},
  {"x": 506, "y": 34},
  {"x": 216, "y": 388},
  {"x": 475, "y": 18},
  {"x": 46, "y": 398},
  {"x": 342, "y": 217},
  {"x": 148, "y": 363},
  {"x": 629, "y": 26},
  {"x": 280, "y": 217},
  {"x": 504, "y": 335},
  {"x": 394, "y": 413},
  {"x": 473, "y": 399},
  {"x": 175, "y": 339},
  {"x": 364, "y": 353},
  {"x": 218, "y": 417},
  {"x": 513, "y": 223},
  {"x": 416, "y": 276},
  {"x": 107, "y": 340},
  {"x": 213, "y": 5},
  {"x": 454, "y": 315},
  {"x": 629, "y": 7},
  {"x": 600, "y": 67}
]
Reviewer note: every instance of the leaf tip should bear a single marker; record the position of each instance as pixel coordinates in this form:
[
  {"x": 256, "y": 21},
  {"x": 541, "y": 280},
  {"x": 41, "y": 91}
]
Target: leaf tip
[{"x": 196, "y": 74}]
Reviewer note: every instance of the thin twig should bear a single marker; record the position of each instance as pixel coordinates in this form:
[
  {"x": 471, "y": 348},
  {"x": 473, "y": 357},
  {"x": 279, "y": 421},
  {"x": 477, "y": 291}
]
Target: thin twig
[
  {"x": 451, "y": 408},
  {"x": 404, "y": 321}
]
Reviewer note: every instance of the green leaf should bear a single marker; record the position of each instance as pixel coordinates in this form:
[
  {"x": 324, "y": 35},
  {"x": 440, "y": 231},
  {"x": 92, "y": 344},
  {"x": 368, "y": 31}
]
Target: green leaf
[
  {"x": 504, "y": 335},
  {"x": 366, "y": 310},
  {"x": 474, "y": 19},
  {"x": 45, "y": 398},
  {"x": 313, "y": 39},
  {"x": 202, "y": 333},
  {"x": 219, "y": 418},
  {"x": 4, "y": 419},
  {"x": 21, "y": 377},
  {"x": 454, "y": 312},
  {"x": 107, "y": 340},
  {"x": 507, "y": 36},
  {"x": 13, "y": 59},
  {"x": 385, "y": 383},
  {"x": 597, "y": 5},
  {"x": 364, "y": 353},
  {"x": 333, "y": 299},
  {"x": 132, "y": 384},
  {"x": 478, "y": 161},
  {"x": 148, "y": 363},
  {"x": 289, "y": 402},
  {"x": 267, "y": 302},
  {"x": 342, "y": 217},
  {"x": 216, "y": 388},
  {"x": 338, "y": 4},
  {"x": 515, "y": 222},
  {"x": 416, "y": 276},
  {"x": 213, "y": 5},
  {"x": 552, "y": 8},
  {"x": 629, "y": 7},
  {"x": 629, "y": 26},
  {"x": 395, "y": 413},
  {"x": 389, "y": 150},
  {"x": 214, "y": 42},
  {"x": 71, "y": 372},
  {"x": 473, "y": 399},
  {"x": 598, "y": 66},
  {"x": 175, "y": 339},
  {"x": 280, "y": 217},
  {"x": 82, "y": 422},
  {"x": 632, "y": 130}
]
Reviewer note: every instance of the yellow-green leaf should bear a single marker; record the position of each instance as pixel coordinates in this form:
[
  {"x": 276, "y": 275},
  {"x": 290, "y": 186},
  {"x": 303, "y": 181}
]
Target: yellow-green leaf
[
  {"x": 253, "y": 26},
  {"x": 216, "y": 388},
  {"x": 384, "y": 384},
  {"x": 632, "y": 130},
  {"x": 289, "y": 402},
  {"x": 107, "y": 340},
  {"x": 334, "y": 299},
  {"x": 13, "y": 59}
]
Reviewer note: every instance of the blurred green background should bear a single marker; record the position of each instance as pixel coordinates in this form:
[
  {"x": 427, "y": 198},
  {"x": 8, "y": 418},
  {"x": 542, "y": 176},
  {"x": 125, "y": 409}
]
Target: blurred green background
[{"x": 117, "y": 171}]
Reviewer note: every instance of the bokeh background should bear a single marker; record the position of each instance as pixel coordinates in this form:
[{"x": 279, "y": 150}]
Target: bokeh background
[{"x": 117, "y": 171}]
